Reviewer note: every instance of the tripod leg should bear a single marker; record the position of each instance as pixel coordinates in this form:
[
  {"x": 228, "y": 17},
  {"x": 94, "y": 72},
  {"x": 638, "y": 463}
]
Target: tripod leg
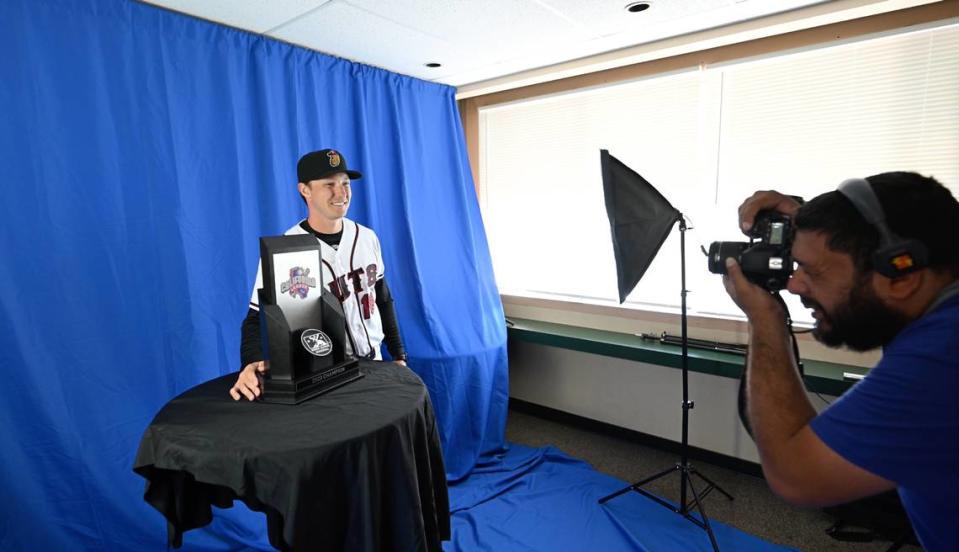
[
  {"x": 711, "y": 483},
  {"x": 702, "y": 512},
  {"x": 638, "y": 484}
]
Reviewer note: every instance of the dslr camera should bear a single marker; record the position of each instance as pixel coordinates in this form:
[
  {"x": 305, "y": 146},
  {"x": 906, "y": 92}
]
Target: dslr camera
[{"x": 766, "y": 259}]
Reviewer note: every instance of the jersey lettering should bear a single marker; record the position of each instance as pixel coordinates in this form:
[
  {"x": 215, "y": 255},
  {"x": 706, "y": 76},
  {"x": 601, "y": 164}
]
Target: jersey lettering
[
  {"x": 355, "y": 278},
  {"x": 339, "y": 288},
  {"x": 335, "y": 289},
  {"x": 371, "y": 275}
]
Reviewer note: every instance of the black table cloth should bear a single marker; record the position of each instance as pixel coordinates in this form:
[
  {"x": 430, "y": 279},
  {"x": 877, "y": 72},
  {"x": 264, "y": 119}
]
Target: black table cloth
[{"x": 358, "y": 468}]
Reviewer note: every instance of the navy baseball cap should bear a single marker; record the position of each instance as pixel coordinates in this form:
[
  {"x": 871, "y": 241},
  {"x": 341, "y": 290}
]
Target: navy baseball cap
[{"x": 323, "y": 163}]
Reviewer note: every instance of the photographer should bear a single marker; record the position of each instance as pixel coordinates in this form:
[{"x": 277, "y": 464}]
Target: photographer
[{"x": 898, "y": 427}]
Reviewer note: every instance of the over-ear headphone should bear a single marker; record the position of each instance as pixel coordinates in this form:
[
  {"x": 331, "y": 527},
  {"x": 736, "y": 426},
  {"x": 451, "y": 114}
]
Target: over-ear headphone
[{"x": 895, "y": 256}]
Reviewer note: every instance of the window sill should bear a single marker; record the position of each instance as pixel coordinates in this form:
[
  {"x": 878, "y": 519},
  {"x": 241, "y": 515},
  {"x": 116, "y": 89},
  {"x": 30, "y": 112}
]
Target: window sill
[
  {"x": 632, "y": 321},
  {"x": 820, "y": 377}
]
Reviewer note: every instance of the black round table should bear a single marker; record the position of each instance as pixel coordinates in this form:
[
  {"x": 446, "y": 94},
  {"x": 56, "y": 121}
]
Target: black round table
[{"x": 358, "y": 468}]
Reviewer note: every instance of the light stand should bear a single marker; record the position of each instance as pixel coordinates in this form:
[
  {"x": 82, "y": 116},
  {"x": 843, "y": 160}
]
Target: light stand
[{"x": 686, "y": 471}]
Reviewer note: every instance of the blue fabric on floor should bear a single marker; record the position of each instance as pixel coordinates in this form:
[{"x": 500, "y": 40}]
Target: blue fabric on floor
[{"x": 542, "y": 499}]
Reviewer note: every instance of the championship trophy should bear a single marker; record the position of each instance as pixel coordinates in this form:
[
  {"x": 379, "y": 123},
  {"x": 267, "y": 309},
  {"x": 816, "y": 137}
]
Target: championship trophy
[{"x": 302, "y": 325}]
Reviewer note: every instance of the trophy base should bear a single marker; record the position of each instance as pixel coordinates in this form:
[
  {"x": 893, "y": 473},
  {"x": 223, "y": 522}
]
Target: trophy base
[{"x": 311, "y": 385}]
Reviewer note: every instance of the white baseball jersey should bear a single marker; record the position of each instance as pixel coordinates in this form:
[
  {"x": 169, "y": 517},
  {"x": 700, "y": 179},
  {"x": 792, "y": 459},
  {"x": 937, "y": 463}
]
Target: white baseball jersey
[{"x": 350, "y": 272}]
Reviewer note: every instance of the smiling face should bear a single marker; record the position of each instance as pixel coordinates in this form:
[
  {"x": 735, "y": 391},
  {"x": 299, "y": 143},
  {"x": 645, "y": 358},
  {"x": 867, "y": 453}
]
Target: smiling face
[
  {"x": 843, "y": 300},
  {"x": 327, "y": 198}
]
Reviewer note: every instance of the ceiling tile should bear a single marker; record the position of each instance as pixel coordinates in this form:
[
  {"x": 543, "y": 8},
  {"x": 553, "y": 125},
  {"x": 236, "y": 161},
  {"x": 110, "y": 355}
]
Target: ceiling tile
[
  {"x": 343, "y": 30},
  {"x": 489, "y": 30},
  {"x": 253, "y": 15},
  {"x": 610, "y": 17},
  {"x": 611, "y": 27}
]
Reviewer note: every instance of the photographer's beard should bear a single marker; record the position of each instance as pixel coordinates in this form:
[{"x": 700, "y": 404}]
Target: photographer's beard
[{"x": 862, "y": 322}]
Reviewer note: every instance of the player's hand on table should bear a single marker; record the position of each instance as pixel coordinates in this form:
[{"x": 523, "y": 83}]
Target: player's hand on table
[{"x": 248, "y": 383}]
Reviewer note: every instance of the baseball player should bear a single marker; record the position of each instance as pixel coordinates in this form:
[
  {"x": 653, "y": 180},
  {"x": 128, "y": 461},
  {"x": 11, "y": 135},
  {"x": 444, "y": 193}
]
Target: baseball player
[{"x": 353, "y": 269}]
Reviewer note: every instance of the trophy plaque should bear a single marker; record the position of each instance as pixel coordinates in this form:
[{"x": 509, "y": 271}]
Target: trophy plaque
[{"x": 302, "y": 325}]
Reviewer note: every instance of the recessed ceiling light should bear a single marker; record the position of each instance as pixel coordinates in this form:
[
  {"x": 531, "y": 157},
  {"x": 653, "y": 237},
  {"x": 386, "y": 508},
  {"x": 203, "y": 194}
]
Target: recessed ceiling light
[
  {"x": 636, "y": 7},
  {"x": 433, "y": 65}
]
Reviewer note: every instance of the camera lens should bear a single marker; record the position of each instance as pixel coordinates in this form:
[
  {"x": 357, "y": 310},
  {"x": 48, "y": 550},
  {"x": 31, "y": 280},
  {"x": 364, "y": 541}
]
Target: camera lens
[{"x": 720, "y": 251}]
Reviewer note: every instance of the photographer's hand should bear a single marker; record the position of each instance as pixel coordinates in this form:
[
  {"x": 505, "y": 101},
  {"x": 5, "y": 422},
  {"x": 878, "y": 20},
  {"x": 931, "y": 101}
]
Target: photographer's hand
[
  {"x": 757, "y": 303},
  {"x": 767, "y": 199}
]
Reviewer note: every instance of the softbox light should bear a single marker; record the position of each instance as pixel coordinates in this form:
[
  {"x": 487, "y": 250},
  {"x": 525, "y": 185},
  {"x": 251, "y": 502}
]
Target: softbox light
[{"x": 640, "y": 219}]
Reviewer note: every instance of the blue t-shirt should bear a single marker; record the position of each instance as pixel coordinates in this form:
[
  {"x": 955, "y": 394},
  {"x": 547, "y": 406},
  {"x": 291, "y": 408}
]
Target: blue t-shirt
[{"x": 901, "y": 422}]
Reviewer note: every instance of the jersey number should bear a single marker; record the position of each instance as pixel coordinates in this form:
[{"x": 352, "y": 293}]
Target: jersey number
[{"x": 369, "y": 305}]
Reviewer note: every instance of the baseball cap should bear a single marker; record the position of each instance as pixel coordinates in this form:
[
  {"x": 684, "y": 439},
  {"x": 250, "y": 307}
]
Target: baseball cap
[{"x": 322, "y": 163}]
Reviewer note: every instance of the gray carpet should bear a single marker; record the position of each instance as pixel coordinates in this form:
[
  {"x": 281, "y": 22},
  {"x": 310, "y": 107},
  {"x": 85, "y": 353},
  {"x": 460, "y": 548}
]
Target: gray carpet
[{"x": 755, "y": 509}]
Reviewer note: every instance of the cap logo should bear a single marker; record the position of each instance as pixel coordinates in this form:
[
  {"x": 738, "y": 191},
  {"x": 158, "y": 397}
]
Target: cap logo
[
  {"x": 334, "y": 158},
  {"x": 902, "y": 262}
]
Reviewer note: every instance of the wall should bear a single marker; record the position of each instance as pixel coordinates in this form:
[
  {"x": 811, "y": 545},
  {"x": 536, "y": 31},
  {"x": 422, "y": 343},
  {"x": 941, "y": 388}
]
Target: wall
[{"x": 634, "y": 395}]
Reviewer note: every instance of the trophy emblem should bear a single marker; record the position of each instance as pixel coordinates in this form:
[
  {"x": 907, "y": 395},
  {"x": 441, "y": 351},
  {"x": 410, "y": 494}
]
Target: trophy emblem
[{"x": 316, "y": 342}]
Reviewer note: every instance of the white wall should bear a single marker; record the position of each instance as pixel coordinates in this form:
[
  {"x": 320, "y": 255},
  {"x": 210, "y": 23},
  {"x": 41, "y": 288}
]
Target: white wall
[{"x": 633, "y": 395}]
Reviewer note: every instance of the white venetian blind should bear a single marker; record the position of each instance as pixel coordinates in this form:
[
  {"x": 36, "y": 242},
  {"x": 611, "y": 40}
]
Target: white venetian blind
[
  {"x": 809, "y": 120},
  {"x": 543, "y": 197},
  {"x": 706, "y": 139}
]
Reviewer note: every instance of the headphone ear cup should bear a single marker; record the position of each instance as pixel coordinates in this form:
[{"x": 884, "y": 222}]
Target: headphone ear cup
[{"x": 900, "y": 258}]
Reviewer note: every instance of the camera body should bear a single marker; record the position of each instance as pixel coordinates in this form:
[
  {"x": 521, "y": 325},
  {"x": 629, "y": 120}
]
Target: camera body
[{"x": 766, "y": 260}]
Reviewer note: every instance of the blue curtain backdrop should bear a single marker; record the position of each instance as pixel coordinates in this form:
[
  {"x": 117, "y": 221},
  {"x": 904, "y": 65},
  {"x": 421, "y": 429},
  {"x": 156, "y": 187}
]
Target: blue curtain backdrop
[{"x": 143, "y": 153}]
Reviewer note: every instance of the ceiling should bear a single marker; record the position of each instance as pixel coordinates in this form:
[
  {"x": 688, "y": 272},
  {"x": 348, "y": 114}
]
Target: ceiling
[{"x": 479, "y": 40}]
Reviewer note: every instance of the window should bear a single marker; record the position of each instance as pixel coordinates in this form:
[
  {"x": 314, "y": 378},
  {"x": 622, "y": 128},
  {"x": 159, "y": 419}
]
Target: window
[{"x": 706, "y": 139}]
